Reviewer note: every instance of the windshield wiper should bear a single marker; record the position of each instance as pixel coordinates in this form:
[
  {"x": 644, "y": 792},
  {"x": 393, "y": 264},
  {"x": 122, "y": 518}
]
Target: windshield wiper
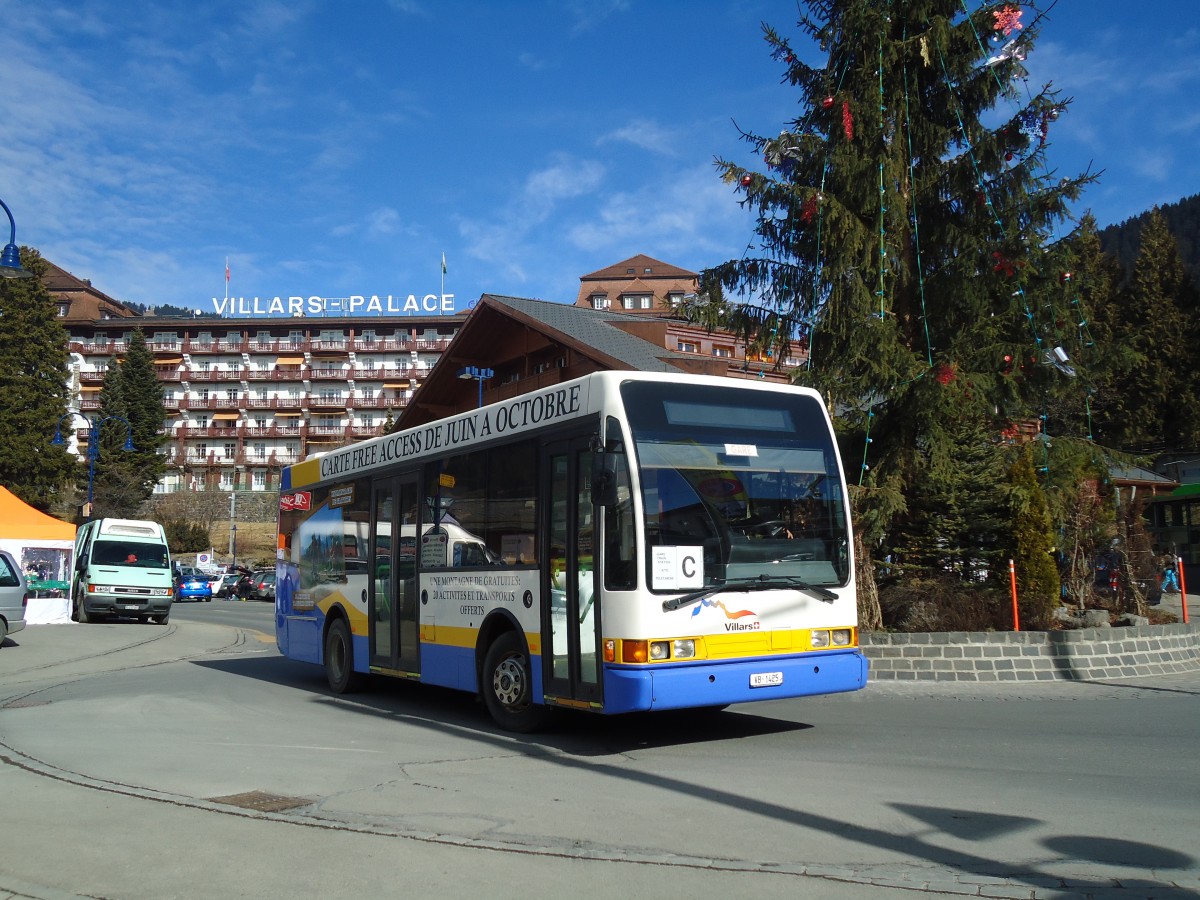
[{"x": 760, "y": 583}]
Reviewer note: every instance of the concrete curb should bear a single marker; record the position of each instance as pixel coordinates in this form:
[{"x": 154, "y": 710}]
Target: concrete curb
[{"x": 1086, "y": 654}]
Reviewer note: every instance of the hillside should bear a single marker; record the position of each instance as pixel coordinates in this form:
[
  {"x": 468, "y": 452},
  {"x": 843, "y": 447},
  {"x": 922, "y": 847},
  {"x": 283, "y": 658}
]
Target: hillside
[{"x": 1183, "y": 220}]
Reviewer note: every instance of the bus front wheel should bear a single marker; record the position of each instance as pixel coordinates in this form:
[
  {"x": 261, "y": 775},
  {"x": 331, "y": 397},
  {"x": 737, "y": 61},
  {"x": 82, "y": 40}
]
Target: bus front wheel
[
  {"x": 508, "y": 686},
  {"x": 339, "y": 659}
]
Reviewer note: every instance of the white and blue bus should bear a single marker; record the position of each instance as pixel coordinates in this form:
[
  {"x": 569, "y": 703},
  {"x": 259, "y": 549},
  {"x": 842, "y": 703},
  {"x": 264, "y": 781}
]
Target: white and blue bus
[{"x": 624, "y": 541}]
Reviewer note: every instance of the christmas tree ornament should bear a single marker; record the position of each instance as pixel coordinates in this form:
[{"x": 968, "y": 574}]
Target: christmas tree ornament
[
  {"x": 747, "y": 180},
  {"x": 827, "y": 103},
  {"x": 847, "y": 120},
  {"x": 1008, "y": 19}
]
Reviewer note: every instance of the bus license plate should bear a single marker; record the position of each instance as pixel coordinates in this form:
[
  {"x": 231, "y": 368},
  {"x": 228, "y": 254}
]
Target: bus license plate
[
  {"x": 130, "y": 606},
  {"x": 765, "y": 679}
]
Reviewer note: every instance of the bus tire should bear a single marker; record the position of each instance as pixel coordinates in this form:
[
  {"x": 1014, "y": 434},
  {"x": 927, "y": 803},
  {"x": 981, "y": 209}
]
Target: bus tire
[
  {"x": 339, "y": 659},
  {"x": 508, "y": 686}
]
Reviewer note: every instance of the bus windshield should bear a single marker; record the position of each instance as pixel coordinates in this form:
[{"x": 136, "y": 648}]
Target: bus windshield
[{"x": 749, "y": 479}]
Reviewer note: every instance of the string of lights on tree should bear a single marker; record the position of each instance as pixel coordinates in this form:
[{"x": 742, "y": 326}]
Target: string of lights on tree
[{"x": 1021, "y": 138}]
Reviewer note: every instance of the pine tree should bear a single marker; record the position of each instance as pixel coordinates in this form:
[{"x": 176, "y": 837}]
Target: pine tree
[
  {"x": 904, "y": 242},
  {"x": 1153, "y": 327},
  {"x": 132, "y": 393},
  {"x": 1032, "y": 544},
  {"x": 33, "y": 384}
]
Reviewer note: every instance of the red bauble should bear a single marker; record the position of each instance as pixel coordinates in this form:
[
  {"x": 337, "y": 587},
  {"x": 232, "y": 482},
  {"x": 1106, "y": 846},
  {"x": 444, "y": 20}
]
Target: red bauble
[
  {"x": 1064, "y": 277},
  {"x": 827, "y": 103},
  {"x": 747, "y": 180}
]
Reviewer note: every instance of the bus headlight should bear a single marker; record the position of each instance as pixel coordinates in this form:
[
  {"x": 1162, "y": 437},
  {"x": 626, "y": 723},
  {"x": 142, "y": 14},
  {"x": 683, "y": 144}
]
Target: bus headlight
[
  {"x": 660, "y": 650},
  {"x": 841, "y": 637},
  {"x": 820, "y": 638},
  {"x": 684, "y": 649}
]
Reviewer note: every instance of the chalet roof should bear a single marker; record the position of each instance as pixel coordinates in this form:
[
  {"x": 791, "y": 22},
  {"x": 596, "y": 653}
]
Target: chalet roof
[
  {"x": 639, "y": 264},
  {"x": 86, "y": 302},
  {"x": 591, "y": 331}
]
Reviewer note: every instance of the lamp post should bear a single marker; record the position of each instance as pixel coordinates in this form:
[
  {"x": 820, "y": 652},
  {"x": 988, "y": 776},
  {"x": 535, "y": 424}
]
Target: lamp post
[
  {"x": 10, "y": 261},
  {"x": 481, "y": 375},
  {"x": 93, "y": 451}
]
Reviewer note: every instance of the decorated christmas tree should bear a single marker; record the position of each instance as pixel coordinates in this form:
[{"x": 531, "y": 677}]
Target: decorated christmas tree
[{"x": 904, "y": 224}]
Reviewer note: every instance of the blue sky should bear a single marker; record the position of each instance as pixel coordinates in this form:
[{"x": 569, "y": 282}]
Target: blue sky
[{"x": 336, "y": 149}]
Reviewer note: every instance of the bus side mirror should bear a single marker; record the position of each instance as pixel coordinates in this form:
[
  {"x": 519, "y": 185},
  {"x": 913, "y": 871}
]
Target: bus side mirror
[{"x": 604, "y": 478}]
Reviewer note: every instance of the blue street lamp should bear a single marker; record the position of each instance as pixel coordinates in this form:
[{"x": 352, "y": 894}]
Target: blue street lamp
[
  {"x": 481, "y": 375},
  {"x": 93, "y": 451},
  {"x": 10, "y": 261}
]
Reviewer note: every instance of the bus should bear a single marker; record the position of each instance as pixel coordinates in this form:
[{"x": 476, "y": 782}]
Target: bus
[{"x": 625, "y": 541}]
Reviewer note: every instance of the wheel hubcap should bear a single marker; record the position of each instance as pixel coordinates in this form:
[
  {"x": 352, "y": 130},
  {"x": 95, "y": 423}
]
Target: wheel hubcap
[{"x": 508, "y": 681}]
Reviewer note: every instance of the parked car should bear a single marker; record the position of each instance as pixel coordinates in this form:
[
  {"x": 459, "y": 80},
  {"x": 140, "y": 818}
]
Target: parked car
[
  {"x": 193, "y": 587},
  {"x": 262, "y": 586},
  {"x": 227, "y": 585},
  {"x": 14, "y": 596}
]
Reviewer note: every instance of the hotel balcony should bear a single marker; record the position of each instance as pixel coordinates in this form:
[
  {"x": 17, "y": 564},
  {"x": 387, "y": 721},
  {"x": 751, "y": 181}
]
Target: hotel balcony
[
  {"x": 189, "y": 375},
  {"x": 384, "y": 345},
  {"x": 98, "y": 348},
  {"x": 327, "y": 374},
  {"x": 279, "y": 373}
]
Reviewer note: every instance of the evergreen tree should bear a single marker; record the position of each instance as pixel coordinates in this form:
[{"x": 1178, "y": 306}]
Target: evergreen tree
[
  {"x": 33, "y": 384},
  {"x": 1153, "y": 328},
  {"x": 1032, "y": 544},
  {"x": 124, "y": 479},
  {"x": 903, "y": 240}
]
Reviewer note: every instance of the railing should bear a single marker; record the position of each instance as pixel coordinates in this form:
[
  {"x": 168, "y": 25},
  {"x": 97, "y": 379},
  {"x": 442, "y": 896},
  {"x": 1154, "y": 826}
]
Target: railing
[
  {"x": 237, "y": 374},
  {"x": 328, "y": 402},
  {"x": 269, "y": 403},
  {"x": 279, "y": 373},
  {"x": 327, "y": 374},
  {"x": 91, "y": 377},
  {"x": 105, "y": 348},
  {"x": 384, "y": 345}
]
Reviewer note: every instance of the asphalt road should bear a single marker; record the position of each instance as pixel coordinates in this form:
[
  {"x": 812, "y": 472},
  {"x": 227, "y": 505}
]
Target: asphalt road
[{"x": 190, "y": 760}]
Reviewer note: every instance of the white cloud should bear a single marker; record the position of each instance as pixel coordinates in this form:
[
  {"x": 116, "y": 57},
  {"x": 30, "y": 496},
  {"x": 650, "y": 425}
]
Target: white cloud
[{"x": 645, "y": 134}]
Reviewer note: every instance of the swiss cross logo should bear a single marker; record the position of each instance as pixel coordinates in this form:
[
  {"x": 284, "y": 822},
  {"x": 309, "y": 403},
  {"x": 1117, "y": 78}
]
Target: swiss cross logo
[{"x": 300, "y": 500}]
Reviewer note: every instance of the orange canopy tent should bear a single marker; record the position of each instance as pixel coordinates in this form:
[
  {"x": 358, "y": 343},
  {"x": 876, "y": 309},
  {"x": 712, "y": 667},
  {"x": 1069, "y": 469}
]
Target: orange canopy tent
[
  {"x": 42, "y": 546},
  {"x": 21, "y": 522}
]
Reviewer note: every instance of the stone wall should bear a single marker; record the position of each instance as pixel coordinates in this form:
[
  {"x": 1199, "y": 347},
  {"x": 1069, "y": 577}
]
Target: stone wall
[{"x": 1086, "y": 654}]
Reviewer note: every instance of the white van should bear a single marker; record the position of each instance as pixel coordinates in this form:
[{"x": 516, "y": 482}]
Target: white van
[{"x": 122, "y": 568}]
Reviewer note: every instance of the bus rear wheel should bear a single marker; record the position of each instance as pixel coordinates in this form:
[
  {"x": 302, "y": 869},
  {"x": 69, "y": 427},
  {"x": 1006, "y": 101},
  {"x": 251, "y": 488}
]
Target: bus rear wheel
[
  {"x": 339, "y": 659},
  {"x": 508, "y": 686}
]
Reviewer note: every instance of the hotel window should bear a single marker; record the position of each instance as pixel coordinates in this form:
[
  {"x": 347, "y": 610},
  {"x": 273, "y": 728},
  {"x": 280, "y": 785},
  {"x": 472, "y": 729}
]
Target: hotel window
[
  {"x": 368, "y": 364},
  {"x": 64, "y": 308},
  {"x": 637, "y": 301},
  {"x": 723, "y": 352},
  {"x": 205, "y": 365},
  {"x": 202, "y": 394},
  {"x": 201, "y": 450},
  {"x": 688, "y": 347},
  {"x": 260, "y": 449},
  {"x": 227, "y": 481},
  {"x": 201, "y": 421},
  {"x": 599, "y": 301},
  {"x": 260, "y": 480},
  {"x": 296, "y": 338},
  {"x": 260, "y": 422},
  {"x": 230, "y": 450}
]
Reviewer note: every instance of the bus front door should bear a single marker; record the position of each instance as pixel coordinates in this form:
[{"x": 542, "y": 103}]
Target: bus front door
[
  {"x": 571, "y": 619},
  {"x": 392, "y": 577}
]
